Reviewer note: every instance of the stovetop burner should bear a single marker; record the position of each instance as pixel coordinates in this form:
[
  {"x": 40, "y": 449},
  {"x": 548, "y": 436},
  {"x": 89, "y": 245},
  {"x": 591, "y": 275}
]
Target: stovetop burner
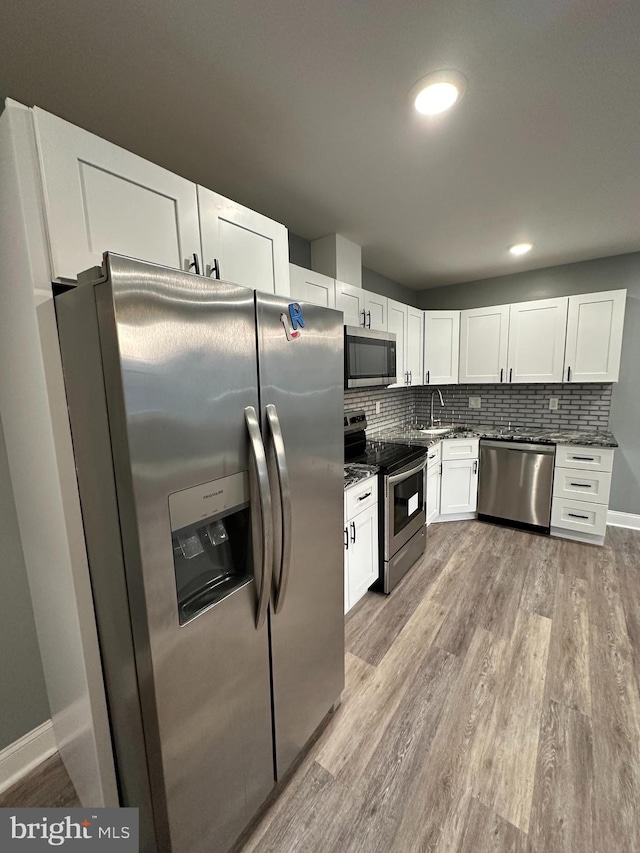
[{"x": 388, "y": 457}]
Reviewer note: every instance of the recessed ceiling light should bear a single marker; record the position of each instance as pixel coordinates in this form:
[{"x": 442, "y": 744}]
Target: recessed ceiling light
[
  {"x": 520, "y": 248},
  {"x": 437, "y": 92}
]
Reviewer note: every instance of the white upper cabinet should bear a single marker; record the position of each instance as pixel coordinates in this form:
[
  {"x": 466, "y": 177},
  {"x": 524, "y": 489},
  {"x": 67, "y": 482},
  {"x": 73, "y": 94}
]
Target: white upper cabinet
[
  {"x": 594, "y": 337},
  {"x": 415, "y": 345},
  {"x": 537, "y": 333},
  {"x": 484, "y": 338},
  {"x": 376, "y": 308},
  {"x": 350, "y": 300},
  {"x": 99, "y": 197},
  {"x": 397, "y": 323},
  {"x": 309, "y": 286},
  {"x": 441, "y": 347},
  {"x": 243, "y": 246},
  {"x": 406, "y": 323}
]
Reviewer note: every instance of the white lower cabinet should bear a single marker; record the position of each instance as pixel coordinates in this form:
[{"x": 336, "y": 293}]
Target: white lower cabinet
[
  {"x": 360, "y": 540},
  {"x": 459, "y": 488},
  {"x": 581, "y": 485},
  {"x": 434, "y": 478}
]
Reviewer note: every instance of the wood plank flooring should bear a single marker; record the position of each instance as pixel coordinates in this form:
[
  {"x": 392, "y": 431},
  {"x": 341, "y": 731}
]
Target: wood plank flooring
[{"x": 492, "y": 704}]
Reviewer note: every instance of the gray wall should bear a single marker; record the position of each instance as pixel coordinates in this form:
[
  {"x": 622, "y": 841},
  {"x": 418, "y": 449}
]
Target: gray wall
[
  {"x": 620, "y": 271},
  {"x": 300, "y": 254},
  {"x": 23, "y": 702}
]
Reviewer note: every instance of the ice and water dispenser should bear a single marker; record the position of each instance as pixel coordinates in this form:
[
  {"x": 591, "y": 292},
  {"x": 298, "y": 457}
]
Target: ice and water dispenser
[{"x": 211, "y": 538}]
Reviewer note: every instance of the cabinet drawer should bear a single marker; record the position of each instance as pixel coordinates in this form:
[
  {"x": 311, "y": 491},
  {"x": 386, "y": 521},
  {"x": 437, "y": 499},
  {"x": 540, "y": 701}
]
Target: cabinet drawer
[
  {"x": 434, "y": 456},
  {"x": 460, "y": 448},
  {"x": 584, "y": 458},
  {"x": 579, "y": 485},
  {"x": 361, "y": 496},
  {"x": 580, "y": 516}
]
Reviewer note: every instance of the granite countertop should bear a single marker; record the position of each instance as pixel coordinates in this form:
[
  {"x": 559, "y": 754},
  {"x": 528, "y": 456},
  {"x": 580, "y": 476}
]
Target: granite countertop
[
  {"x": 355, "y": 473},
  {"x": 535, "y": 435}
]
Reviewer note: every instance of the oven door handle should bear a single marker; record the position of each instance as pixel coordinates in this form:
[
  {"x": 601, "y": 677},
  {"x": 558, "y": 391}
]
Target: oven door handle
[{"x": 402, "y": 475}]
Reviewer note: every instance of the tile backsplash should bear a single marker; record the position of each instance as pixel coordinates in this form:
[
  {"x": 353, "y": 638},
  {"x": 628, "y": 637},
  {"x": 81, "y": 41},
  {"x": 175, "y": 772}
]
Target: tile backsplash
[{"x": 580, "y": 406}]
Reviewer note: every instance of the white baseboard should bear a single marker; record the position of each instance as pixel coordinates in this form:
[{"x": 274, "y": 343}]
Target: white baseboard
[
  {"x": 623, "y": 519},
  {"x": 19, "y": 758}
]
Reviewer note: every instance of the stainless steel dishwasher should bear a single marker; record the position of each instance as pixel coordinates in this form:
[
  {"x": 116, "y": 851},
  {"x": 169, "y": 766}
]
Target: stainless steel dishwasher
[{"x": 516, "y": 481}]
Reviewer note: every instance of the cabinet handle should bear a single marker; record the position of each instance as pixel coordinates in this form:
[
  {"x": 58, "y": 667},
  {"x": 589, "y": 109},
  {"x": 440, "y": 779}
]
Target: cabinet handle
[
  {"x": 369, "y": 324},
  {"x": 581, "y": 485},
  {"x": 410, "y": 377},
  {"x": 511, "y": 374},
  {"x": 428, "y": 373},
  {"x": 195, "y": 264},
  {"x": 214, "y": 268},
  {"x": 501, "y": 373},
  {"x": 364, "y": 497},
  {"x": 346, "y": 538},
  {"x": 576, "y": 515},
  {"x": 364, "y": 318},
  {"x": 431, "y": 455},
  {"x": 568, "y": 374},
  {"x": 353, "y": 532},
  {"x": 475, "y": 467},
  {"x": 583, "y": 458}
]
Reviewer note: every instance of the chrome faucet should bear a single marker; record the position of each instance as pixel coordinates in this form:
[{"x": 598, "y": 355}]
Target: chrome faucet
[{"x": 439, "y": 393}]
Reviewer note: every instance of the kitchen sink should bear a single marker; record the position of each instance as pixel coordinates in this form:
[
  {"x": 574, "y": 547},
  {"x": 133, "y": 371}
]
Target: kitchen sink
[{"x": 435, "y": 430}]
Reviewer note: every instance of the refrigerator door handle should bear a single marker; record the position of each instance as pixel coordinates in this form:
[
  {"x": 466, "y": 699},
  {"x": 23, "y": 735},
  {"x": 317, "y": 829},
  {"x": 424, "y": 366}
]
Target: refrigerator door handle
[
  {"x": 285, "y": 503},
  {"x": 266, "y": 516}
]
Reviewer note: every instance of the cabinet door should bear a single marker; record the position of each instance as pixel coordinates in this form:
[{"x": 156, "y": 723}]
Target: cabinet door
[
  {"x": 433, "y": 493},
  {"x": 350, "y": 300},
  {"x": 376, "y": 308},
  {"x": 594, "y": 336},
  {"x": 484, "y": 336},
  {"x": 441, "y": 347},
  {"x": 397, "y": 323},
  {"x": 99, "y": 197},
  {"x": 415, "y": 345},
  {"x": 249, "y": 248},
  {"x": 309, "y": 286},
  {"x": 459, "y": 488},
  {"x": 362, "y": 557},
  {"x": 537, "y": 332}
]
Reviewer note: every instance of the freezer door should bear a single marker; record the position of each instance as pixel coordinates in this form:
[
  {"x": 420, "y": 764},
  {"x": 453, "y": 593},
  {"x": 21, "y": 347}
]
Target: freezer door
[
  {"x": 180, "y": 369},
  {"x": 301, "y": 367}
]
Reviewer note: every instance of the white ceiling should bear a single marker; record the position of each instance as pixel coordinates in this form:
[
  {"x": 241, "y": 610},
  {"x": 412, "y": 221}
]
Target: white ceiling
[{"x": 299, "y": 110}]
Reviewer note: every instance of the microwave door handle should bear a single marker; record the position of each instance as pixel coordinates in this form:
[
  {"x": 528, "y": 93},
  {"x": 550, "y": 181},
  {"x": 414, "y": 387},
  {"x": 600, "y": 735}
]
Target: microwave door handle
[
  {"x": 396, "y": 478},
  {"x": 285, "y": 504},
  {"x": 266, "y": 517}
]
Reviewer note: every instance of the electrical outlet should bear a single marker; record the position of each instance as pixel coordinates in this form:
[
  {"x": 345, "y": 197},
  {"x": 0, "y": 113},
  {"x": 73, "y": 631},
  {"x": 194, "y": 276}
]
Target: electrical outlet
[
  {"x": 553, "y": 404},
  {"x": 378, "y": 407},
  {"x": 475, "y": 402}
]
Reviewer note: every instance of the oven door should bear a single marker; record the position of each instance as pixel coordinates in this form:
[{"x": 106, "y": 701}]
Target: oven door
[
  {"x": 369, "y": 358},
  {"x": 405, "y": 507}
]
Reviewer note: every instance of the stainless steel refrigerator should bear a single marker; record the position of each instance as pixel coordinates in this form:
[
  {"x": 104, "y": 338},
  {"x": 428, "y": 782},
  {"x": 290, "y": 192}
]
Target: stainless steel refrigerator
[{"x": 207, "y": 430}]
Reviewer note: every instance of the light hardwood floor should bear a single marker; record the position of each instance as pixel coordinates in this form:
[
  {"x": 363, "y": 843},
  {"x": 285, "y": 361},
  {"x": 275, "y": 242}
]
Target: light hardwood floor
[{"x": 491, "y": 704}]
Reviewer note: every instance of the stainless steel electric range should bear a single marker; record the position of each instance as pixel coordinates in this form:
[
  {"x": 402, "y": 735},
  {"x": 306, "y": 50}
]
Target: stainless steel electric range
[{"x": 402, "y": 503}]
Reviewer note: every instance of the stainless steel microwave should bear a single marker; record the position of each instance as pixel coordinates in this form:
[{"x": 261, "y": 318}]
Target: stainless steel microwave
[{"x": 369, "y": 357}]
